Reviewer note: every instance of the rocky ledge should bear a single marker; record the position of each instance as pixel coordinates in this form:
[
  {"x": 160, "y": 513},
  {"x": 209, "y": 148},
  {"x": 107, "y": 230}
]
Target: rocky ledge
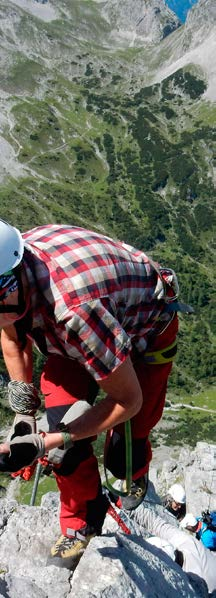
[{"x": 114, "y": 564}]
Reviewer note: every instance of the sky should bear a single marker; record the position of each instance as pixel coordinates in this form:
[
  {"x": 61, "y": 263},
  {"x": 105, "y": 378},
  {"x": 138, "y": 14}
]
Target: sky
[{"x": 181, "y": 7}]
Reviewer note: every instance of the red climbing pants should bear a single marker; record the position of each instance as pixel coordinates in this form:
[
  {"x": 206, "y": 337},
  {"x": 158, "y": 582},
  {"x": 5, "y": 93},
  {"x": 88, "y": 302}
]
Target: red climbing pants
[{"x": 63, "y": 382}]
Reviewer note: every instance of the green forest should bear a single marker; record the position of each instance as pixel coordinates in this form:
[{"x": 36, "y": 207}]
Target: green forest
[
  {"x": 99, "y": 138},
  {"x": 137, "y": 173}
]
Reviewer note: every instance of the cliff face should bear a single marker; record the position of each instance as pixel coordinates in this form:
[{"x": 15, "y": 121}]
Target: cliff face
[
  {"x": 200, "y": 23},
  {"x": 140, "y": 22}
]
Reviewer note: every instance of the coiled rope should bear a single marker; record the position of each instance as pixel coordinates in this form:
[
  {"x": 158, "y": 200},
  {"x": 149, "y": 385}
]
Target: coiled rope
[{"x": 23, "y": 397}]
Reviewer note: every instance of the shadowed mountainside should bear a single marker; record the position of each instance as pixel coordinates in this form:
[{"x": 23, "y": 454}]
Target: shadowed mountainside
[{"x": 116, "y": 132}]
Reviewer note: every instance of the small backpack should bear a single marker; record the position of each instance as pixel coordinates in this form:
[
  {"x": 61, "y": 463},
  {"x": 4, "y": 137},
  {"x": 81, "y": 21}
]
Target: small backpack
[{"x": 207, "y": 533}]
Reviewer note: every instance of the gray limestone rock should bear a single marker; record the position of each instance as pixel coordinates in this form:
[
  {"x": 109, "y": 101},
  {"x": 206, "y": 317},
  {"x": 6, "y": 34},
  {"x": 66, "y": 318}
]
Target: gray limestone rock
[
  {"x": 196, "y": 470},
  {"x": 125, "y": 566},
  {"x": 114, "y": 564}
]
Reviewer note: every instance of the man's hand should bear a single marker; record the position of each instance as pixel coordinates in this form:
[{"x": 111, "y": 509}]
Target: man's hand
[{"x": 21, "y": 451}]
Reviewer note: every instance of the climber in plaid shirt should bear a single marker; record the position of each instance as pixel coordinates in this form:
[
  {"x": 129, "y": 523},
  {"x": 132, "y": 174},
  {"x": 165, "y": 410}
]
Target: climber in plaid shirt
[{"x": 98, "y": 310}]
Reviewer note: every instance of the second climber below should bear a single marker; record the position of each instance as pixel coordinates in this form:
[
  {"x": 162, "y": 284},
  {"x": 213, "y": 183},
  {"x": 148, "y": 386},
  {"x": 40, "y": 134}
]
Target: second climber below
[{"x": 175, "y": 501}]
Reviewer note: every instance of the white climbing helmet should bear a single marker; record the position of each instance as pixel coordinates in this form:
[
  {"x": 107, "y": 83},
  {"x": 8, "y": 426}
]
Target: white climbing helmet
[
  {"x": 177, "y": 492},
  {"x": 11, "y": 247},
  {"x": 188, "y": 521}
]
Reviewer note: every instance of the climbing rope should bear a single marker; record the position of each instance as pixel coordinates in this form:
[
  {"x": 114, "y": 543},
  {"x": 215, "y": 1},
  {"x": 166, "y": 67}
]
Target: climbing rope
[{"x": 23, "y": 398}]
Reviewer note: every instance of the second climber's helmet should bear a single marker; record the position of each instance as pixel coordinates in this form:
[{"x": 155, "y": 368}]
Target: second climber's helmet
[{"x": 177, "y": 492}]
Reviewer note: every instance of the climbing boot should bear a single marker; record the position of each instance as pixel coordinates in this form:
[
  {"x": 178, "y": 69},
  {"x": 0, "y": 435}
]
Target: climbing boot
[
  {"x": 67, "y": 552},
  {"x": 137, "y": 493}
]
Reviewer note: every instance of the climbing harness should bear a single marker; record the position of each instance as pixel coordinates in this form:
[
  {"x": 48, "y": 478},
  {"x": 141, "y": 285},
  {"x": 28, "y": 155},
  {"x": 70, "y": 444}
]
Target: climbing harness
[{"x": 162, "y": 355}]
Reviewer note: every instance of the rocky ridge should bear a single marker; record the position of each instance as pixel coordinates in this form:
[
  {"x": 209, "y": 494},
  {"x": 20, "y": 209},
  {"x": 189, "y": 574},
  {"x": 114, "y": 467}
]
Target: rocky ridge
[
  {"x": 199, "y": 22},
  {"x": 141, "y": 22},
  {"x": 113, "y": 564},
  {"x": 138, "y": 23}
]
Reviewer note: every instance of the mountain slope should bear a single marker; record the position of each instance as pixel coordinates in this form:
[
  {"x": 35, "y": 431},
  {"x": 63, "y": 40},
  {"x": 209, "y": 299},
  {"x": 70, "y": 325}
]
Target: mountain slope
[{"x": 120, "y": 138}]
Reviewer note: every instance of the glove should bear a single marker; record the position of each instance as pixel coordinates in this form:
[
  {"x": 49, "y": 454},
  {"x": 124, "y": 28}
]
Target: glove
[
  {"x": 56, "y": 455},
  {"x": 24, "y": 450},
  {"x": 22, "y": 425},
  {"x": 75, "y": 411}
]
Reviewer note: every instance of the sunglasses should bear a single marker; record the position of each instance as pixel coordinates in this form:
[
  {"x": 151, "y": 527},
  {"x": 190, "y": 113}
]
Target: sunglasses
[
  {"x": 8, "y": 284},
  {"x": 5, "y": 276}
]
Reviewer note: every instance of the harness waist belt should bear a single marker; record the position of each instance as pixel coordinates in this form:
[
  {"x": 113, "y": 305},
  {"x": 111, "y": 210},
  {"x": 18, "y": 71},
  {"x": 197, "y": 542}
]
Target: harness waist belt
[{"x": 162, "y": 356}]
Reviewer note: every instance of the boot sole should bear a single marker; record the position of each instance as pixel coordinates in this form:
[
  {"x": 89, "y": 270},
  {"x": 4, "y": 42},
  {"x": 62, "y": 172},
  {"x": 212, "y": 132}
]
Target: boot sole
[{"x": 64, "y": 563}]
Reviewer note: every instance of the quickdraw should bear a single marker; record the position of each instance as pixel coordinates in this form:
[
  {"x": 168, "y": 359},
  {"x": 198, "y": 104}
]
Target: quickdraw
[
  {"x": 111, "y": 511},
  {"x": 26, "y": 473}
]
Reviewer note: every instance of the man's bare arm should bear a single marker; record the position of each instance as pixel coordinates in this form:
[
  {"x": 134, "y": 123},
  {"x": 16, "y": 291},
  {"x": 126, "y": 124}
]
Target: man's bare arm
[
  {"x": 18, "y": 362},
  {"x": 123, "y": 400}
]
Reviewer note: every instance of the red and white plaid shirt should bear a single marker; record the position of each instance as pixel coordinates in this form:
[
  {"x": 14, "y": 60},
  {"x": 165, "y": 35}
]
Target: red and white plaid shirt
[{"x": 92, "y": 298}]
